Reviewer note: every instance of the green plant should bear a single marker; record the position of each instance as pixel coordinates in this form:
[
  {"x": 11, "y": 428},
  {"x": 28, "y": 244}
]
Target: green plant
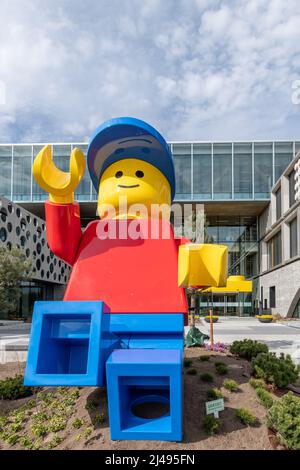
[
  {"x": 77, "y": 423},
  {"x": 280, "y": 371},
  {"x": 87, "y": 432},
  {"x": 91, "y": 405},
  {"x": 221, "y": 368},
  {"x": 98, "y": 419},
  {"x": 39, "y": 429},
  {"x": 12, "y": 388},
  {"x": 214, "y": 394},
  {"x": 248, "y": 348},
  {"x": 257, "y": 383},
  {"x": 230, "y": 385},
  {"x": 57, "y": 423},
  {"x": 187, "y": 362},
  {"x": 284, "y": 418},
  {"x": 12, "y": 439},
  {"x": 265, "y": 397},
  {"x": 55, "y": 441},
  {"x": 245, "y": 416},
  {"x": 192, "y": 371},
  {"x": 26, "y": 442},
  {"x": 210, "y": 425},
  {"x": 206, "y": 377},
  {"x": 205, "y": 358},
  {"x": 39, "y": 417}
]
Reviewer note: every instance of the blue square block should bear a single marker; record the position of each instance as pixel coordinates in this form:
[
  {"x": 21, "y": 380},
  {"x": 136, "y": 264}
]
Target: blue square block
[
  {"x": 69, "y": 344},
  {"x": 137, "y": 376}
]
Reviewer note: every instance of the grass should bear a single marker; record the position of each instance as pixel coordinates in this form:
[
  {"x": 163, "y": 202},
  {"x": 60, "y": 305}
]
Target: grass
[
  {"x": 230, "y": 385},
  {"x": 257, "y": 383},
  {"x": 206, "y": 377},
  {"x": 204, "y": 358},
  {"x": 265, "y": 398},
  {"x": 221, "y": 368},
  {"x": 214, "y": 394},
  {"x": 210, "y": 425},
  {"x": 187, "y": 362},
  {"x": 245, "y": 416},
  {"x": 192, "y": 371}
]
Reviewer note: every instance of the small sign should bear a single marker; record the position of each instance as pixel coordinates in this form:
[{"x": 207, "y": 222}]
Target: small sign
[{"x": 214, "y": 407}]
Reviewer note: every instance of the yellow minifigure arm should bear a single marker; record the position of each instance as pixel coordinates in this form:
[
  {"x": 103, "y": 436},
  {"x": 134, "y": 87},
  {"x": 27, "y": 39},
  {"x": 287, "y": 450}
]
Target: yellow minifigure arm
[
  {"x": 59, "y": 184},
  {"x": 202, "y": 265}
]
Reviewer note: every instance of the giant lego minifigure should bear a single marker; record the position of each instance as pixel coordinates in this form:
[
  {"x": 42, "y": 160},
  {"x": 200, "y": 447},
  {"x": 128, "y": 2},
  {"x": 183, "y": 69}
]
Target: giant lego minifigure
[{"x": 129, "y": 260}]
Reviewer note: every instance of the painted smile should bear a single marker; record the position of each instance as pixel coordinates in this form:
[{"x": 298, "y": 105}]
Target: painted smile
[{"x": 123, "y": 186}]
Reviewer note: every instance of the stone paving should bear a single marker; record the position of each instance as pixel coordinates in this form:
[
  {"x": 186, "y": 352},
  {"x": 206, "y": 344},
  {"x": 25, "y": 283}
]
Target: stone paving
[{"x": 278, "y": 336}]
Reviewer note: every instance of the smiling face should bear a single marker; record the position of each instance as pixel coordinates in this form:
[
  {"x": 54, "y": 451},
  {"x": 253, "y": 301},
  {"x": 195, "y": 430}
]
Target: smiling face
[{"x": 135, "y": 181}]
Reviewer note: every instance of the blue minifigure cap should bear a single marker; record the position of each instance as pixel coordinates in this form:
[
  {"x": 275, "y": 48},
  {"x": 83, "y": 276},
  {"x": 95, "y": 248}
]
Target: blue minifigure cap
[{"x": 127, "y": 137}]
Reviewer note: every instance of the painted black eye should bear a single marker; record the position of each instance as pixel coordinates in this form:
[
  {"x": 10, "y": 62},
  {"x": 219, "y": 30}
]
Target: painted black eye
[
  {"x": 139, "y": 174},
  {"x": 119, "y": 174}
]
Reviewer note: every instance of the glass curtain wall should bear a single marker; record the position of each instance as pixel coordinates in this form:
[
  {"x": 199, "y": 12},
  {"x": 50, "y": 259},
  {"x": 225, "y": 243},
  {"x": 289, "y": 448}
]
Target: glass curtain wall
[
  {"x": 222, "y": 162},
  {"x": 22, "y": 160},
  {"x": 242, "y": 170},
  {"x": 202, "y": 171},
  {"x": 283, "y": 156},
  {"x": 182, "y": 161},
  {"x": 5, "y": 170},
  {"x": 263, "y": 169}
]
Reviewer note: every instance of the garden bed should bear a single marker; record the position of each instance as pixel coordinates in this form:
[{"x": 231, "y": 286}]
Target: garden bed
[{"x": 86, "y": 425}]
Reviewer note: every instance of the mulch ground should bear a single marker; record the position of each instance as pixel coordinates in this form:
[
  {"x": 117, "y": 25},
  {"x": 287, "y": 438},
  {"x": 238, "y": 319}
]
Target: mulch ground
[{"x": 232, "y": 433}]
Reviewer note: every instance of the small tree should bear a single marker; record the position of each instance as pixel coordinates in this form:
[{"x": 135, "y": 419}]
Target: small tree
[{"x": 14, "y": 267}]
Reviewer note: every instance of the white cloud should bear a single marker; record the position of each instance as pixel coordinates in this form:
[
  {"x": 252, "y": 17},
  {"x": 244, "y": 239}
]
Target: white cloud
[{"x": 196, "y": 69}]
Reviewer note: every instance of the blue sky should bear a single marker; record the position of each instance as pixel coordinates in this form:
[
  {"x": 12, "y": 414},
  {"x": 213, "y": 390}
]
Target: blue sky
[{"x": 195, "y": 69}]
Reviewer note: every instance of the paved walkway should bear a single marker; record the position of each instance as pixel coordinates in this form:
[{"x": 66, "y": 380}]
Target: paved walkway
[{"x": 279, "y": 337}]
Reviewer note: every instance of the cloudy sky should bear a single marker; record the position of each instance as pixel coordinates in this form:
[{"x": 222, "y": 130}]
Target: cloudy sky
[{"x": 195, "y": 69}]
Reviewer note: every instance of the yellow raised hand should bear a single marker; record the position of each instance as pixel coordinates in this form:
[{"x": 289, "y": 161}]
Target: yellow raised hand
[{"x": 59, "y": 184}]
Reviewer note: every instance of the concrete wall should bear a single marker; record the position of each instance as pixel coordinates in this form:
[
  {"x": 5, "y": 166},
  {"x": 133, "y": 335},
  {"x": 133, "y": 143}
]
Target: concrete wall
[{"x": 286, "y": 280}]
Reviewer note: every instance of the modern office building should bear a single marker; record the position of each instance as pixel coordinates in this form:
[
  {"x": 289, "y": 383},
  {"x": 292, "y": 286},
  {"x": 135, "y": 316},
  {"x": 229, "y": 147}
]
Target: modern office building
[
  {"x": 279, "y": 226},
  {"x": 233, "y": 180}
]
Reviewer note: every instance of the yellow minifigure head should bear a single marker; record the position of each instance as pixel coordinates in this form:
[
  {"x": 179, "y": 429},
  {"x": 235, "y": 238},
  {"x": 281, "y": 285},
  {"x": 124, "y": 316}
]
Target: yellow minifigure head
[
  {"x": 129, "y": 183},
  {"x": 131, "y": 165}
]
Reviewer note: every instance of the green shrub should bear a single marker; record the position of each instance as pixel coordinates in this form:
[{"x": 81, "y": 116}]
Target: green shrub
[
  {"x": 191, "y": 371},
  {"x": 206, "y": 377},
  {"x": 265, "y": 397},
  {"x": 26, "y": 442},
  {"x": 187, "y": 362},
  {"x": 284, "y": 418},
  {"x": 257, "y": 383},
  {"x": 39, "y": 430},
  {"x": 248, "y": 348},
  {"x": 230, "y": 385},
  {"x": 219, "y": 363},
  {"x": 98, "y": 419},
  {"x": 55, "y": 441},
  {"x": 12, "y": 388},
  {"x": 280, "y": 371},
  {"x": 77, "y": 423},
  {"x": 210, "y": 425},
  {"x": 214, "y": 394},
  {"x": 205, "y": 358},
  {"x": 221, "y": 368},
  {"x": 245, "y": 416},
  {"x": 57, "y": 423}
]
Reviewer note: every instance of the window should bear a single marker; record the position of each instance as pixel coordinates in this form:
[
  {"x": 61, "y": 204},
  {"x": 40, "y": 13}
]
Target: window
[
  {"x": 5, "y": 170},
  {"x": 182, "y": 161},
  {"x": 283, "y": 156},
  {"x": 242, "y": 171},
  {"x": 22, "y": 172},
  {"x": 83, "y": 190},
  {"x": 272, "y": 297},
  {"x": 263, "y": 156},
  {"x": 293, "y": 238},
  {"x": 222, "y": 171},
  {"x": 278, "y": 203},
  {"x": 202, "y": 171},
  {"x": 274, "y": 251},
  {"x": 292, "y": 188}
]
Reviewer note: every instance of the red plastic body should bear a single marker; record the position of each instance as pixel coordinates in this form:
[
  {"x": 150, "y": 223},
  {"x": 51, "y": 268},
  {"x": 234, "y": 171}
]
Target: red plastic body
[{"x": 129, "y": 275}]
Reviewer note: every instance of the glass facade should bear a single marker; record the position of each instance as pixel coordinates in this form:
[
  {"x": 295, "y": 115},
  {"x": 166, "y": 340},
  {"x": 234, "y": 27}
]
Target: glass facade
[{"x": 204, "y": 170}]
